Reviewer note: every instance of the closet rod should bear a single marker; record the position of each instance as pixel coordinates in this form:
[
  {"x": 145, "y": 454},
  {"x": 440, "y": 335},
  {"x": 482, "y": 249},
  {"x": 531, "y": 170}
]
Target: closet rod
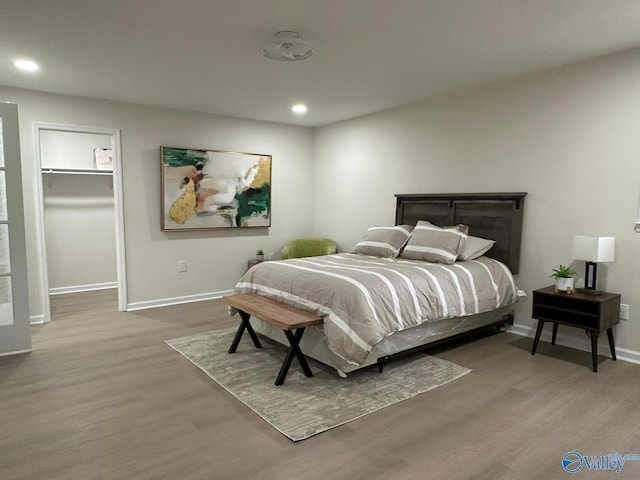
[{"x": 76, "y": 171}]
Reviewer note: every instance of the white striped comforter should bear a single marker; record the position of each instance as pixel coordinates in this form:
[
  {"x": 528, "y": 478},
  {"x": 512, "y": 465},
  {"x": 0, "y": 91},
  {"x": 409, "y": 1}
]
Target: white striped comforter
[{"x": 364, "y": 299}]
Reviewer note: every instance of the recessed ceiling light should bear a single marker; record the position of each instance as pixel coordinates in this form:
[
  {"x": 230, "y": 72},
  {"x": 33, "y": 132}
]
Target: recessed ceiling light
[
  {"x": 26, "y": 65},
  {"x": 299, "y": 109}
]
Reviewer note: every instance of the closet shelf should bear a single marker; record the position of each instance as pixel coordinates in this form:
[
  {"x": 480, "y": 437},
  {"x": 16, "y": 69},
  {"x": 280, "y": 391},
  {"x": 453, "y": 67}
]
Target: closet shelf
[{"x": 77, "y": 171}]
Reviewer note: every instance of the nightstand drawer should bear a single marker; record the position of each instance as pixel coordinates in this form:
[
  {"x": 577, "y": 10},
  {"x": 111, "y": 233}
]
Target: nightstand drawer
[
  {"x": 566, "y": 302},
  {"x": 566, "y": 315}
]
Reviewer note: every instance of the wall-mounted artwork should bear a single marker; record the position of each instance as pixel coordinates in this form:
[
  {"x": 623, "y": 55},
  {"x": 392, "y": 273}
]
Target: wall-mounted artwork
[{"x": 205, "y": 189}]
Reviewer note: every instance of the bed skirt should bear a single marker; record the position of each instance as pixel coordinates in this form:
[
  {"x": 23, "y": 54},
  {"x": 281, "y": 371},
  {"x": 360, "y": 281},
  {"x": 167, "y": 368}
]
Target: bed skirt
[{"x": 313, "y": 344}]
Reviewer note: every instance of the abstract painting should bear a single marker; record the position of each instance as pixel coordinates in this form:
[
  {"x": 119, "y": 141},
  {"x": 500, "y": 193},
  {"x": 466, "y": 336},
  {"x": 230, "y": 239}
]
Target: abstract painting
[{"x": 205, "y": 189}]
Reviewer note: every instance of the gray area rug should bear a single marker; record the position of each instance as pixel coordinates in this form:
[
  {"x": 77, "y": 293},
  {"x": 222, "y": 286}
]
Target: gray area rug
[{"x": 303, "y": 406}]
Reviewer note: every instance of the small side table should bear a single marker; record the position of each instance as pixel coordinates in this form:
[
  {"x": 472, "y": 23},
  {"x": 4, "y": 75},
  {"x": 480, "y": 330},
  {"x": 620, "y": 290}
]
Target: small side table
[
  {"x": 593, "y": 313},
  {"x": 252, "y": 262}
]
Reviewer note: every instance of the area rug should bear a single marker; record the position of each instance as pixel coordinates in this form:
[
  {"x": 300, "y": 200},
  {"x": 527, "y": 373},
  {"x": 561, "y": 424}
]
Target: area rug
[{"x": 304, "y": 406}]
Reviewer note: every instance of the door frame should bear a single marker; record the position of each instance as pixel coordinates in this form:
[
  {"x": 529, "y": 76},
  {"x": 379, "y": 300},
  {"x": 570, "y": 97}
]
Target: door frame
[
  {"x": 15, "y": 338},
  {"x": 118, "y": 198}
]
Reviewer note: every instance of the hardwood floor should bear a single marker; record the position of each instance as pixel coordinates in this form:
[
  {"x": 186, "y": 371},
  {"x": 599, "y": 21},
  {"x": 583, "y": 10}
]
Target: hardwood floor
[{"x": 103, "y": 397}]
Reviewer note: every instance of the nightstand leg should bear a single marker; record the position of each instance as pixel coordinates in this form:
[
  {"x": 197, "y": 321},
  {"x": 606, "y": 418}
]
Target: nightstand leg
[
  {"x": 555, "y": 334},
  {"x": 611, "y": 344},
  {"x": 594, "y": 350},
  {"x": 537, "y": 339}
]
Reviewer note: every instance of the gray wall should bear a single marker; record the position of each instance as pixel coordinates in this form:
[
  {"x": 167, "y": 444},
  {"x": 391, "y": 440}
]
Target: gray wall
[
  {"x": 216, "y": 259},
  {"x": 569, "y": 137}
]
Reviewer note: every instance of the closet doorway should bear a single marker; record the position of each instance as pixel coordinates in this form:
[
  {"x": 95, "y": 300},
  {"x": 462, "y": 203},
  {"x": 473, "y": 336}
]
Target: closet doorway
[{"x": 81, "y": 211}]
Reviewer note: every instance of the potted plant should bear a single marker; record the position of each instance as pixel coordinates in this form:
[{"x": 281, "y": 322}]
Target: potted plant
[
  {"x": 260, "y": 255},
  {"x": 564, "y": 278}
]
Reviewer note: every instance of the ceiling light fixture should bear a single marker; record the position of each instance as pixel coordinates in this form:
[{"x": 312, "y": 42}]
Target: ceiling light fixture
[
  {"x": 299, "y": 109},
  {"x": 287, "y": 46},
  {"x": 26, "y": 65}
]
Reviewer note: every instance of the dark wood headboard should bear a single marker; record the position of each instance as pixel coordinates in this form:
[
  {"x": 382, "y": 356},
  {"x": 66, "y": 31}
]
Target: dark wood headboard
[{"x": 496, "y": 216}]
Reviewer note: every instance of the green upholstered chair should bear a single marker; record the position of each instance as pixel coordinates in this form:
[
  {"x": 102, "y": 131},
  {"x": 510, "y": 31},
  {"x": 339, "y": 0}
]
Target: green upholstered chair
[{"x": 308, "y": 247}]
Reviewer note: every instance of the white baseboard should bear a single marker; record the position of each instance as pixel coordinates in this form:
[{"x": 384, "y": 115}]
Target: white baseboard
[
  {"x": 82, "y": 288},
  {"x": 624, "y": 354},
  {"x": 17, "y": 352},
  {"x": 165, "y": 302},
  {"x": 36, "y": 319}
]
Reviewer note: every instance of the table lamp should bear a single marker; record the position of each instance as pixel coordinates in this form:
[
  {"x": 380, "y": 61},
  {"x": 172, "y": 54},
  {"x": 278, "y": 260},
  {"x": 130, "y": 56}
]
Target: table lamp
[{"x": 592, "y": 250}]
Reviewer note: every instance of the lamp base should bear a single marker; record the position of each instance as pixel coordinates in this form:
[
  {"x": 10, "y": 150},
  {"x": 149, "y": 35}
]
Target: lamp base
[{"x": 589, "y": 291}]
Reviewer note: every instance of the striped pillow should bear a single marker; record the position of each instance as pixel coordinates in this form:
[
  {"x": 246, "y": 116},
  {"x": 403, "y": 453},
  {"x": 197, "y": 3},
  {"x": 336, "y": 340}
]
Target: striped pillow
[
  {"x": 384, "y": 241},
  {"x": 435, "y": 244}
]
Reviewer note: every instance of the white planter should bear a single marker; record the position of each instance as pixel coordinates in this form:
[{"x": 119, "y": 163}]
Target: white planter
[{"x": 564, "y": 284}]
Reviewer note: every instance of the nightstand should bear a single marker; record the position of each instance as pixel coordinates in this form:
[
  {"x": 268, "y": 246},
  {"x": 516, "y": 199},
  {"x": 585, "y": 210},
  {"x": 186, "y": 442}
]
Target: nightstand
[
  {"x": 251, "y": 263},
  {"x": 593, "y": 313}
]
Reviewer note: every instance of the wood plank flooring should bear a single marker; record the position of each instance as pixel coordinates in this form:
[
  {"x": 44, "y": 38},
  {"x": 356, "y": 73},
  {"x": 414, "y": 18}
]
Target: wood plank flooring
[{"x": 103, "y": 397}]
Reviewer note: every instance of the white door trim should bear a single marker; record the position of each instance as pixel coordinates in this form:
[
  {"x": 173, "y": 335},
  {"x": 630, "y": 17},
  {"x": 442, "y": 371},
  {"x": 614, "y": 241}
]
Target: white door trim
[
  {"x": 15, "y": 336},
  {"x": 118, "y": 198}
]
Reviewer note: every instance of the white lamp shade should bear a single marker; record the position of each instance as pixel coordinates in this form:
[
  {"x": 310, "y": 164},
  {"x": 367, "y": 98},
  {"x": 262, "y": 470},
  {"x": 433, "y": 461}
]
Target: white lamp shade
[{"x": 593, "y": 249}]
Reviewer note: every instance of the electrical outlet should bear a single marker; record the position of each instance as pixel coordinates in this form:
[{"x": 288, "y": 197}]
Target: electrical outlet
[
  {"x": 624, "y": 311},
  {"x": 182, "y": 266}
]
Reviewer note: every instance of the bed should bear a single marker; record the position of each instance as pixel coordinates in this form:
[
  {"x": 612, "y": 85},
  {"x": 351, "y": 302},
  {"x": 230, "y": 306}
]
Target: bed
[{"x": 377, "y": 306}]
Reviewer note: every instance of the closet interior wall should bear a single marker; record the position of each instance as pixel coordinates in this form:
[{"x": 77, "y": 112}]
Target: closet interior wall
[{"x": 79, "y": 213}]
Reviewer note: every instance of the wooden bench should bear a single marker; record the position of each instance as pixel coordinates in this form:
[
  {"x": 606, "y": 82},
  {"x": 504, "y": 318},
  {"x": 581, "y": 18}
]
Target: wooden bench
[{"x": 291, "y": 320}]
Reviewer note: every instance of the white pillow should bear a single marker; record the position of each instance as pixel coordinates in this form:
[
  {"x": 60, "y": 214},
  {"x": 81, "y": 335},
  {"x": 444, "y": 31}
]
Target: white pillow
[
  {"x": 475, "y": 247},
  {"x": 435, "y": 244},
  {"x": 384, "y": 241}
]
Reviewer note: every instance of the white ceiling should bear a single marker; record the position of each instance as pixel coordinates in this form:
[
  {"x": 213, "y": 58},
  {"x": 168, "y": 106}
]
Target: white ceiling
[{"x": 371, "y": 55}]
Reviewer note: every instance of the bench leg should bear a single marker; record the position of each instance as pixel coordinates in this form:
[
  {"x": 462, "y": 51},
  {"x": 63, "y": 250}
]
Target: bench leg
[
  {"x": 244, "y": 325},
  {"x": 294, "y": 350}
]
